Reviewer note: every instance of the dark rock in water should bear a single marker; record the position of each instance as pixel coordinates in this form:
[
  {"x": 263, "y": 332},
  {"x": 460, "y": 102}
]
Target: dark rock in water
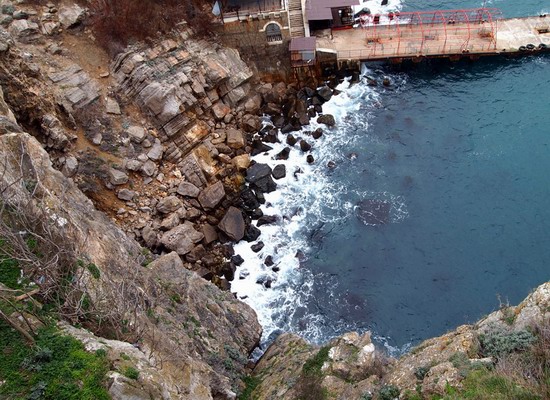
[
  {"x": 269, "y": 261},
  {"x": 252, "y": 234},
  {"x": 267, "y": 220},
  {"x": 289, "y": 128},
  {"x": 318, "y": 109},
  {"x": 268, "y": 283},
  {"x": 304, "y": 146},
  {"x": 279, "y": 171},
  {"x": 386, "y": 82},
  {"x": 260, "y": 280},
  {"x": 310, "y": 159},
  {"x": 317, "y": 101},
  {"x": 265, "y": 185},
  {"x": 296, "y": 172},
  {"x": 317, "y": 133},
  {"x": 257, "y": 171},
  {"x": 371, "y": 81},
  {"x": 309, "y": 91},
  {"x": 232, "y": 224},
  {"x": 331, "y": 164},
  {"x": 237, "y": 260},
  {"x": 283, "y": 155},
  {"x": 326, "y": 119},
  {"x": 291, "y": 140},
  {"x": 374, "y": 212},
  {"x": 249, "y": 199},
  {"x": 271, "y": 137},
  {"x": 228, "y": 271},
  {"x": 257, "y": 213},
  {"x": 311, "y": 113},
  {"x": 227, "y": 250},
  {"x": 300, "y": 255},
  {"x": 303, "y": 118},
  {"x": 257, "y": 247},
  {"x": 278, "y": 121},
  {"x": 259, "y": 147},
  {"x": 276, "y": 268},
  {"x": 261, "y": 198},
  {"x": 325, "y": 93}
]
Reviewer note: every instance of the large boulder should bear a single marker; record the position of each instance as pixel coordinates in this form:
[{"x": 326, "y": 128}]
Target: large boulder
[
  {"x": 233, "y": 224},
  {"x": 169, "y": 204},
  {"x": 257, "y": 172},
  {"x": 235, "y": 139},
  {"x": 70, "y": 16},
  {"x": 187, "y": 189},
  {"x": 182, "y": 238},
  {"x": 212, "y": 195}
]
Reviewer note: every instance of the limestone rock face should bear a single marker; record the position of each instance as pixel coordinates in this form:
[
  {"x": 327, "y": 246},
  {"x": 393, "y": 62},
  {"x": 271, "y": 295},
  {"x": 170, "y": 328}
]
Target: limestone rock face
[
  {"x": 178, "y": 81},
  {"x": 178, "y": 358}
]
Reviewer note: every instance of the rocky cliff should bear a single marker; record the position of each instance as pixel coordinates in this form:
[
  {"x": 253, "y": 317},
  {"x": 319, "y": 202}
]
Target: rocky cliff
[
  {"x": 350, "y": 367},
  {"x": 191, "y": 339}
]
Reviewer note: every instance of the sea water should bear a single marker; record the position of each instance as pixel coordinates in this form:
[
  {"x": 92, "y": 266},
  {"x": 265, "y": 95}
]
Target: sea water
[{"x": 460, "y": 153}]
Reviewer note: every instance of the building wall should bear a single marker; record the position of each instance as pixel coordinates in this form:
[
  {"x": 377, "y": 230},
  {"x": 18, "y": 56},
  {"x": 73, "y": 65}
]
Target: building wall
[{"x": 271, "y": 60}]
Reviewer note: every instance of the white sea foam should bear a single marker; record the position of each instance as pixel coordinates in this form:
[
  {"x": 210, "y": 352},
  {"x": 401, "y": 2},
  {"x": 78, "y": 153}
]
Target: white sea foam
[{"x": 303, "y": 200}]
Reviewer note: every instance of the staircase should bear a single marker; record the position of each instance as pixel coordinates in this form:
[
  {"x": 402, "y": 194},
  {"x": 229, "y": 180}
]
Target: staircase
[{"x": 296, "y": 18}]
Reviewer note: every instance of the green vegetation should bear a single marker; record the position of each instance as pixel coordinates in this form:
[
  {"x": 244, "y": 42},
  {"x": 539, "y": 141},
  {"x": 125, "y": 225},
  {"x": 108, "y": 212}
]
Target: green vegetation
[
  {"x": 484, "y": 384},
  {"x": 308, "y": 386},
  {"x": 388, "y": 392},
  {"x": 131, "y": 372},
  {"x": 251, "y": 382},
  {"x": 313, "y": 365},
  {"x": 9, "y": 272},
  {"x": 57, "y": 368},
  {"x": 497, "y": 343}
]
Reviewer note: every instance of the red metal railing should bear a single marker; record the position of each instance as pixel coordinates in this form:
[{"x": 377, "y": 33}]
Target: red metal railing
[{"x": 439, "y": 32}]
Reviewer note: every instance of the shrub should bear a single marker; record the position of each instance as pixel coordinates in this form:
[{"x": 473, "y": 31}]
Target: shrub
[
  {"x": 497, "y": 343},
  {"x": 421, "y": 372},
  {"x": 388, "y": 392},
  {"x": 131, "y": 372}
]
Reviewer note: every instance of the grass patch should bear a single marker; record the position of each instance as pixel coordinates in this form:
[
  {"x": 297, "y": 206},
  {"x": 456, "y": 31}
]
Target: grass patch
[
  {"x": 484, "y": 384},
  {"x": 313, "y": 365},
  {"x": 131, "y": 372},
  {"x": 57, "y": 368},
  {"x": 251, "y": 382}
]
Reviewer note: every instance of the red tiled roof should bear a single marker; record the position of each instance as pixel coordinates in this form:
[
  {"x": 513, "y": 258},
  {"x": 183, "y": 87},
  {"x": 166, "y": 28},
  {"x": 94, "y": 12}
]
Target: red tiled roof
[{"x": 303, "y": 44}]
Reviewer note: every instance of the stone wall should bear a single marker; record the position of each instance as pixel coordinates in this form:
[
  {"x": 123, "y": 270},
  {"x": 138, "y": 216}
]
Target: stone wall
[{"x": 272, "y": 61}]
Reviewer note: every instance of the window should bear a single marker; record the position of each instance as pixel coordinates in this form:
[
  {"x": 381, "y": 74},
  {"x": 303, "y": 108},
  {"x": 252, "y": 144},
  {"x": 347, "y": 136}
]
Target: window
[{"x": 273, "y": 33}]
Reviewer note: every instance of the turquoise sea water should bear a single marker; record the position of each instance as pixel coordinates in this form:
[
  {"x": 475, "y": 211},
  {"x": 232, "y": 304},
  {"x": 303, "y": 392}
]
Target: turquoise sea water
[
  {"x": 461, "y": 154},
  {"x": 462, "y": 150}
]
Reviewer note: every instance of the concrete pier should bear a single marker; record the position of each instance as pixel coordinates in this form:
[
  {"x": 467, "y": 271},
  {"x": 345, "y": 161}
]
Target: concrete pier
[{"x": 446, "y": 38}]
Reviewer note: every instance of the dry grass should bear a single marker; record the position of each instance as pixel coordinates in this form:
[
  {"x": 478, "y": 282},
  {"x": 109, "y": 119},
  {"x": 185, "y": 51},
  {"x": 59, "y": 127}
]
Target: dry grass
[{"x": 116, "y": 23}]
